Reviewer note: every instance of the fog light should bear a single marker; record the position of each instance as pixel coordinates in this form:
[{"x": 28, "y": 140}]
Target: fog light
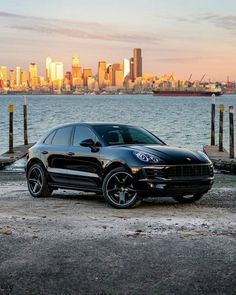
[{"x": 135, "y": 170}]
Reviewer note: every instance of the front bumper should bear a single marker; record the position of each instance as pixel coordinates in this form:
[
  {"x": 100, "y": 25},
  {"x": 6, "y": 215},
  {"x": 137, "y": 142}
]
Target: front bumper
[{"x": 169, "y": 180}]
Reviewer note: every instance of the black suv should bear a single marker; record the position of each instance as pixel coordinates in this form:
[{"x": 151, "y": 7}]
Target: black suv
[{"x": 123, "y": 162}]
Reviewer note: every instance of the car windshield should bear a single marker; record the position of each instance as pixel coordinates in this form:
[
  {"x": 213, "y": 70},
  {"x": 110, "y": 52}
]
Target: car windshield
[{"x": 121, "y": 134}]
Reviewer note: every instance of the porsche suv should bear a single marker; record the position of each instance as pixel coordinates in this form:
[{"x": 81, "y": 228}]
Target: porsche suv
[{"x": 123, "y": 162}]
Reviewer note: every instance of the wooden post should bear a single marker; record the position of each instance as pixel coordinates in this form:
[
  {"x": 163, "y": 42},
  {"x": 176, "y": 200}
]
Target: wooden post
[
  {"x": 221, "y": 124},
  {"x": 11, "y": 111},
  {"x": 213, "y": 115},
  {"x": 231, "y": 132},
  {"x": 25, "y": 122}
]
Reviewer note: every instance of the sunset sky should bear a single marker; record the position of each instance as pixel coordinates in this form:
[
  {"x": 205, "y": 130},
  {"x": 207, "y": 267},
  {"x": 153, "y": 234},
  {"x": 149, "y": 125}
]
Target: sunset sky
[{"x": 176, "y": 36}]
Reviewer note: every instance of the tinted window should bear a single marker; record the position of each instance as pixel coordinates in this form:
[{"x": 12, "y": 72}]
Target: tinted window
[
  {"x": 82, "y": 133},
  {"x": 48, "y": 140},
  {"x": 119, "y": 134},
  {"x": 62, "y": 136}
]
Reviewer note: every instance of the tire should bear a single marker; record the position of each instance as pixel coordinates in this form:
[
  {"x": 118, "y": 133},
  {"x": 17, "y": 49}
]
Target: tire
[
  {"x": 188, "y": 199},
  {"x": 119, "y": 189},
  {"x": 37, "y": 182}
]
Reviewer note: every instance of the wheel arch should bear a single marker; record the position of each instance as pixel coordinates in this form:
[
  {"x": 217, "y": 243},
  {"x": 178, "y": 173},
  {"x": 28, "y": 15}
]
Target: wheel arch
[
  {"x": 32, "y": 162},
  {"x": 113, "y": 166}
]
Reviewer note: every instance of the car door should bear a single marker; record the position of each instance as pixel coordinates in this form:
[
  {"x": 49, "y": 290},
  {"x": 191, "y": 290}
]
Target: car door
[
  {"x": 54, "y": 152},
  {"x": 84, "y": 165}
]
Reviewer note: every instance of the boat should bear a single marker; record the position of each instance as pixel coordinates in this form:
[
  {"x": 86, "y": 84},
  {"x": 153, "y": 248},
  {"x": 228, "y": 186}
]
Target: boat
[{"x": 187, "y": 92}]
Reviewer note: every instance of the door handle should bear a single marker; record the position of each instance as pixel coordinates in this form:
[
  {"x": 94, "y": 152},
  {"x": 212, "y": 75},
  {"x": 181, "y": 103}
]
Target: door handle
[
  {"x": 70, "y": 154},
  {"x": 45, "y": 152}
]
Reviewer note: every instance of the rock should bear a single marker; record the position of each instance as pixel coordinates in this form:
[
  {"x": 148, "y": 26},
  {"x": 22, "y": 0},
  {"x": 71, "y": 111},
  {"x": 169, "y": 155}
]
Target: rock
[{"x": 6, "y": 231}]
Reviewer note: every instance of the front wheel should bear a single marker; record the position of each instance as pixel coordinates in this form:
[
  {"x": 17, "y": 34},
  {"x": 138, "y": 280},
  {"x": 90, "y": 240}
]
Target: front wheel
[
  {"x": 188, "y": 198},
  {"x": 119, "y": 189},
  {"x": 37, "y": 182}
]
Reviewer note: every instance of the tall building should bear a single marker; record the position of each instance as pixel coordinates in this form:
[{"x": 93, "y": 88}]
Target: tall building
[
  {"x": 101, "y": 73},
  {"x": 87, "y": 73},
  {"x": 18, "y": 76},
  {"x": 12, "y": 79},
  {"x": 116, "y": 70},
  {"x": 137, "y": 63},
  {"x": 33, "y": 75},
  {"x": 131, "y": 67},
  {"x": 119, "y": 78},
  {"x": 23, "y": 78},
  {"x": 68, "y": 80},
  {"x": 48, "y": 62},
  {"x": 76, "y": 72},
  {"x": 126, "y": 65},
  {"x": 3, "y": 75},
  {"x": 56, "y": 71}
]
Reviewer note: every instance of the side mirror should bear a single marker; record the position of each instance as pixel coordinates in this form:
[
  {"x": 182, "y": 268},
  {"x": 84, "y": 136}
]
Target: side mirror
[
  {"x": 87, "y": 143},
  {"x": 91, "y": 144}
]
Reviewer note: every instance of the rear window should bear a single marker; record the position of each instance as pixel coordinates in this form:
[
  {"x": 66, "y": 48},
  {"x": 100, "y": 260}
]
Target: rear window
[{"x": 62, "y": 136}]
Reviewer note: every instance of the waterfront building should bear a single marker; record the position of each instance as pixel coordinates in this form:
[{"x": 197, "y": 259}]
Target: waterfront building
[
  {"x": 101, "y": 73},
  {"x": 126, "y": 65},
  {"x": 109, "y": 74},
  {"x": 131, "y": 67},
  {"x": 87, "y": 72},
  {"x": 18, "y": 76},
  {"x": 116, "y": 69},
  {"x": 23, "y": 79},
  {"x": 56, "y": 74},
  {"x": 68, "y": 80},
  {"x": 76, "y": 72},
  {"x": 119, "y": 78},
  {"x": 3, "y": 75},
  {"x": 137, "y": 63},
  {"x": 12, "y": 79},
  {"x": 91, "y": 83},
  {"x": 33, "y": 75},
  {"x": 48, "y": 62}
]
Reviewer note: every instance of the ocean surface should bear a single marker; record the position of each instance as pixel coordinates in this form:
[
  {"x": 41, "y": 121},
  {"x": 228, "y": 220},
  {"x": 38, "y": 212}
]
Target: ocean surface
[{"x": 181, "y": 121}]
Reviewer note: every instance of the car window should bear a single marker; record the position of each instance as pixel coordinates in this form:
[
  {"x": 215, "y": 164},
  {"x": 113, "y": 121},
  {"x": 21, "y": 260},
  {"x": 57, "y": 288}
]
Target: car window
[
  {"x": 49, "y": 138},
  {"x": 119, "y": 134},
  {"x": 62, "y": 136},
  {"x": 82, "y": 133}
]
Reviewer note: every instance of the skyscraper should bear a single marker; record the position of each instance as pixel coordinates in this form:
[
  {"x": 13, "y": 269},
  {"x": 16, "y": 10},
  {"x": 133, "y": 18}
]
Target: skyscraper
[
  {"x": 3, "y": 75},
  {"x": 131, "y": 66},
  {"x": 12, "y": 79},
  {"x": 101, "y": 73},
  {"x": 48, "y": 62},
  {"x": 76, "y": 71},
  {"x": 33, "y": 75},
  {"x": 18, "y": 76},
  {"x": 86, "y": 74},
  {"x": 137, "y": 63},
  {"x": 126, "y": 64},
  {"x": 56, "y": 71}
]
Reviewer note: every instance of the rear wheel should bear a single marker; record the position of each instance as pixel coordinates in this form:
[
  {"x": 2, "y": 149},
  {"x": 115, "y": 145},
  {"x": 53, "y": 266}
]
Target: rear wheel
[
  {"x": 37, "y": 181},
  {"x": 119, "y": 189},
  {"x": 188, "y": 198}
]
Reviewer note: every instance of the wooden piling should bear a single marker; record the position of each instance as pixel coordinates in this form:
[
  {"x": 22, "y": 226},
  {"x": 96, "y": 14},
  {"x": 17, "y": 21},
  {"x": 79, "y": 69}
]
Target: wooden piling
[
  {"x": 221, "y": 125},
  {"x": 213, "y": 115},
  {"x": 231, "y": 132},
  {"x": 11, "y": 111},
  {"x": 25, "y": 122}
]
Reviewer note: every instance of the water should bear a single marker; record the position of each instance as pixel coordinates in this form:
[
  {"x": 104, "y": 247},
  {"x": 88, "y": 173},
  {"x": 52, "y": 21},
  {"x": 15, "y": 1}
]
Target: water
[{"x": 181, "y": 121}]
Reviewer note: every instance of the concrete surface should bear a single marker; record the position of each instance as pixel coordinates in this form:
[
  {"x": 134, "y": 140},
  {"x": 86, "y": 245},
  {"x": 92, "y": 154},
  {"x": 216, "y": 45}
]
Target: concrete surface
[{"x": 74, "y": 243}]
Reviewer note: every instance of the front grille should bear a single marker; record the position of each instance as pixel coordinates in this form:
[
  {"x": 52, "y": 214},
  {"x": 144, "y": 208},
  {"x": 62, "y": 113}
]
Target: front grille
[{"x": 179, "y": 171}]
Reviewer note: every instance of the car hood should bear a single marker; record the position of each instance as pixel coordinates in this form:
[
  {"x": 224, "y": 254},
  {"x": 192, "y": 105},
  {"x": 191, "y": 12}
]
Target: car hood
[{"x": 171, "y": 155}]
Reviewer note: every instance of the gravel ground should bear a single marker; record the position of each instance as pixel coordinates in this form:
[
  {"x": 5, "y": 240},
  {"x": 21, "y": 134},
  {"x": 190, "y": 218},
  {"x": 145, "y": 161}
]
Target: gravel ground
[{"x": 74, "y": 243}]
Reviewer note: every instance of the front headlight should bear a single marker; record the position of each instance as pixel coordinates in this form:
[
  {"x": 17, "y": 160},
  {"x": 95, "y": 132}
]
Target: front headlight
[{"x": 148, "y": 158}]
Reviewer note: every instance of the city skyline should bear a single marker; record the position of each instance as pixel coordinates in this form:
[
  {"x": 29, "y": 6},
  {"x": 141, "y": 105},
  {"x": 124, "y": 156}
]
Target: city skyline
[{"x": 176, "y": 36}]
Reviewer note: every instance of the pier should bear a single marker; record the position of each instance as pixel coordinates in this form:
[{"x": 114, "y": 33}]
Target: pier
[{"x": 17, "y": 153}]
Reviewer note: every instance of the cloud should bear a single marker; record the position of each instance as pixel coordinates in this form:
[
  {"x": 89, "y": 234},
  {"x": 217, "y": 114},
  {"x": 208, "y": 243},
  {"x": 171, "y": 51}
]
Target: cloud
[
  {"x": 74, "y": 29},
  {"x": 227, "y": 22}
]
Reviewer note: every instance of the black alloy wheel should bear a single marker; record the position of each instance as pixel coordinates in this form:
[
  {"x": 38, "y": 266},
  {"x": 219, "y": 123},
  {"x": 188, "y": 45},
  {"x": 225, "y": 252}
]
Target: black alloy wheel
[
  {"x": 119, "y": 189},
  {"x": 37, "y": 182},
  {"x": 188, "y": 198}
]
